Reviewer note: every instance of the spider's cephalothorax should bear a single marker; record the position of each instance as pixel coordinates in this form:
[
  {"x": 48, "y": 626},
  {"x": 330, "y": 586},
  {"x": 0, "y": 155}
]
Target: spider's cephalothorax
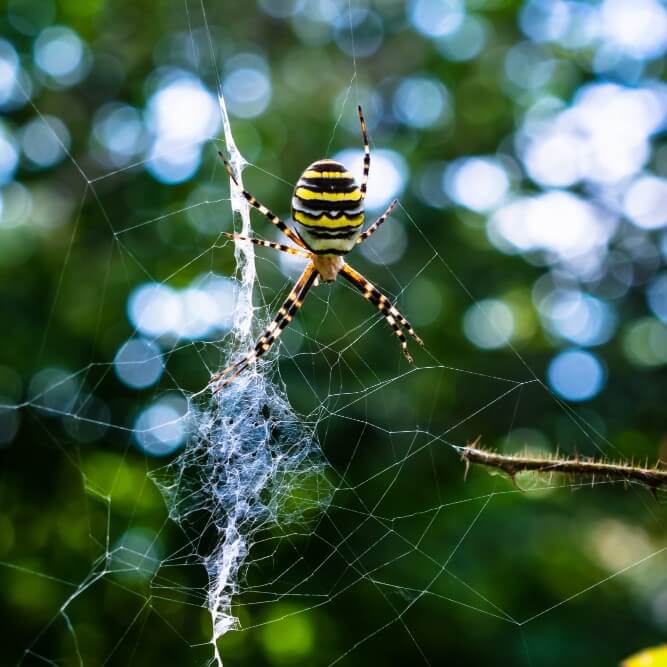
[{"x": 328, "y": 210}]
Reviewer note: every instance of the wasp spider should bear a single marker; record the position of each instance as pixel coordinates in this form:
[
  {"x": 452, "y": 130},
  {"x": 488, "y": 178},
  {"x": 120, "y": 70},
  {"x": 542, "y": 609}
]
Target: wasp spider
[{"x": 328, "y": 209}]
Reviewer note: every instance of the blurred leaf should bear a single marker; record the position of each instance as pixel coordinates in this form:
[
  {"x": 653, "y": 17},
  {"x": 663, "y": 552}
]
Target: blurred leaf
[{"x": 652, "y": 657}]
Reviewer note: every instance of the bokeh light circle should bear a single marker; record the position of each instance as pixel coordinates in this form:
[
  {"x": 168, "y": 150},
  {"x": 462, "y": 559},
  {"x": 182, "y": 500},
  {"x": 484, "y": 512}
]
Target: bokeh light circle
[
  {"x": 138, "y": 363},
  {"x": 645, "y": 202},
  {"x": 421, "y": 102},
  {"x": 59, "y": 53},
  {"x": 579, "y": 318},
  {"x": 119, "y": 129},
  {"x": 657, "y": 296},
  {"x": 160, "y": 429},
  {"x": 247, "y": 86},
  {"x": 436, "y": 18},
  {"x": 359, "y": 32},
  {"x": 282, "y": 9},
  {"x": 645, "y": 342},
  {"x": 9, "y": 156},
  {"x": 576, "y": 375},
  {"x": 489, "y": 324},
  {"x": 466, "y": 42},
  {"x": 9, "y": 69},
  {"x": 45, "y": 141},
  {"x": 478, "y": 183},
  {"x": 155, "y": 310},
  {"x": 388, "y": 175}
]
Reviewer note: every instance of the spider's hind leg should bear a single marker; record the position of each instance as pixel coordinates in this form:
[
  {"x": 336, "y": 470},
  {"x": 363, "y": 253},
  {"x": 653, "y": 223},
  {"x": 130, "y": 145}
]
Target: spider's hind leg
[
  {"x": 385, "y": 306},
  {"x": 283, "y": 317}
]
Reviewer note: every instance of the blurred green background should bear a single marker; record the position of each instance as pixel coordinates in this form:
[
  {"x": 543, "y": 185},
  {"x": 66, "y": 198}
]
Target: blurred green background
[{"x": 526, "y": 143}]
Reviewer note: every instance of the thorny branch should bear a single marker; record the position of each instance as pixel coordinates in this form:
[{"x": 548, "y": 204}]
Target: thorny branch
[{"x": 653, "y": 477}]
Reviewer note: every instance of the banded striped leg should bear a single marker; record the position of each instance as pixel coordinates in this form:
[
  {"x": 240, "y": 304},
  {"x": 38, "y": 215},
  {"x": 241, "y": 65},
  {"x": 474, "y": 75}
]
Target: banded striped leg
[
  {"x": 382, "y": 303},
  {"x": 283, "y": 317},
  {"x": 269, "y": 244},
  {"x": 272, "y": 217},
  {"x": 367, "y": 153},
  {"x": 374, "y": 227}
]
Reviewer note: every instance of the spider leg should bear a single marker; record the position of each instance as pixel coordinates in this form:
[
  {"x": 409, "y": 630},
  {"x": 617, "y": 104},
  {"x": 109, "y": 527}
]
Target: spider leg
[
  {"x": 374, "y": 227},
  {"x": 367, "y": 153},
  {"x": 283, "y": 317},
  {"x": 272, "y": 217},
  {"x": 269, "y": 244},
  {"x": 384, "y": 305}
]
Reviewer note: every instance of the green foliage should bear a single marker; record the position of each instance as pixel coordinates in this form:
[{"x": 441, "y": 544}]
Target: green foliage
[{"x": 533, "y": 580}]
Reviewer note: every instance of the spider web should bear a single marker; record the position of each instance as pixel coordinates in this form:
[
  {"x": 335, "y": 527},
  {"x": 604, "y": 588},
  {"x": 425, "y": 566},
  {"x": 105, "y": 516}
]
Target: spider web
[{"x": 287, "y": 509}]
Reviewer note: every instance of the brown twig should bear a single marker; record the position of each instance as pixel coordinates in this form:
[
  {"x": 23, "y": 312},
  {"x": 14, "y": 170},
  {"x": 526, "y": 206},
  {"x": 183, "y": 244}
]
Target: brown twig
[{"x": 511, "y": 464}]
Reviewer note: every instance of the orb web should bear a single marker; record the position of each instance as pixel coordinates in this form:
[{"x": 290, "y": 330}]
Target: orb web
[{"x": 387, "y": 517}]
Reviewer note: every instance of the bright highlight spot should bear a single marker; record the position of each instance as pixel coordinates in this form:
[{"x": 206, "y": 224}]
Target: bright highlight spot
[
  {"x": 466, "y": 42},
  {"x": 603, "y": 137},
  {"x": 436, "y": 18},
  {"x": 199, "y": 313},
  {"x": 645, "y": 202},
  {"x": 17, "y": 205},
  {"x": 388, "y": 174},
  {"x": 561, "y": 224},
  {"x": 247, "y": 87},
  {"x": 183, "y": 110},
  {"x": 527, "y": 66},
  {"x": 9, "y": 157},
  {"x": 634, "y": 30},
  {"x": 161, "y": 429},
  {"x": 155, "y": 310},
  {"x": 45, "y": 140},
  {"x": 58, "y": 52},
  {"x": 196, "y": 312},
  {"x": 9, "y": 68},
  {"x": 637, "y": 28},
  {"x": 171, "y": 163},
  {"x": 489, "y": 324},
  {"x": 477, "y": 183},
  {"x": 579, "y": 318},
  {"x": 138, "y": 363},
  {"x": 119, "y": 129},
  {"x": 576, "y": 375},
  {"x": 182, "y": 114},
  {"x": 657, "y": 297},
  {"x": 359, "y": 32},
  {"x": 282, "y": 9},
  {"x": 422, "y": 102}
]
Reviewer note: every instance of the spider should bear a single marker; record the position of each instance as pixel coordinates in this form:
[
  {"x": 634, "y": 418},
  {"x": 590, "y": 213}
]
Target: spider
[{"x": 328, "y": 209}]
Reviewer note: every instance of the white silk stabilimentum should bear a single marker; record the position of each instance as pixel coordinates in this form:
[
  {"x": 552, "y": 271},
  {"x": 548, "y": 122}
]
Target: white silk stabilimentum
[{"x": 250, "y": 464}]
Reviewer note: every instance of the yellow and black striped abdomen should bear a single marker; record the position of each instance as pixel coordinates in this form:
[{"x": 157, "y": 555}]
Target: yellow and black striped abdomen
[{"x": 327, "y": 208}]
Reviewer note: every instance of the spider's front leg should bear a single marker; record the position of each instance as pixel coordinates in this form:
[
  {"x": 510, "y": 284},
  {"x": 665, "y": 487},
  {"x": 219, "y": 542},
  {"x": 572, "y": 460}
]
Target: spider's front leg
[
  {"x": 384, "y": 305},
  {"x": 269, "y": 244},
  {"x": 284, "y": 316},
  {"x": 376, "y": 225},
  {"x": 272, "y": 217},
  {"x": 367, "y": 153}
]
